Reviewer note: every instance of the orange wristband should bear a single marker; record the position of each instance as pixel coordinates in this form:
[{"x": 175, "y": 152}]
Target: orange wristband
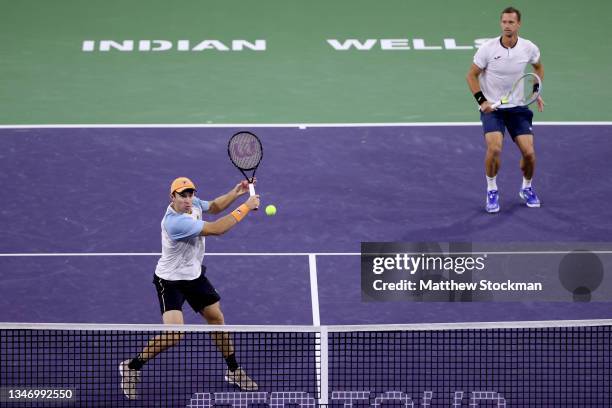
[{"x": 240, "y": 212}]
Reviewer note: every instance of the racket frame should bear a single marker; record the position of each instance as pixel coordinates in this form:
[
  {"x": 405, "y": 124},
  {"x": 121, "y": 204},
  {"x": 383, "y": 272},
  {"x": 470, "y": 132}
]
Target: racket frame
[
  {"x": 242, "y": 170},
  {"x": 534, "y": 97}
]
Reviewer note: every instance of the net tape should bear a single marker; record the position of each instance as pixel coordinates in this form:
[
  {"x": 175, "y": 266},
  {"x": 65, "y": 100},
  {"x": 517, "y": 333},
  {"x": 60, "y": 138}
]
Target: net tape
[{"x": 559, "y": 364}]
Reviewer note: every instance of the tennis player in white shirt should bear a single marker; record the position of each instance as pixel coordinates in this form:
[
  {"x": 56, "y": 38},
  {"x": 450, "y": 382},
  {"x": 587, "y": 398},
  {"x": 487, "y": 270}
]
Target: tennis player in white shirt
[{"x": 498, "y": 63}]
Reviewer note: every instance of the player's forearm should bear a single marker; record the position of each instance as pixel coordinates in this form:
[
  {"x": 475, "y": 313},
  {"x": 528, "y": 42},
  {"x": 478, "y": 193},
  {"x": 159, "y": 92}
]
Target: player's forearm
[
  {"x": 220, "y": 203},
  {"x": 224, "y": 224},
  {"x": 472, "y": 78},
  {"x": 473, "y": 83},
  {"x": 539, "y": 71},
  {"x": 220, "y": 226}
]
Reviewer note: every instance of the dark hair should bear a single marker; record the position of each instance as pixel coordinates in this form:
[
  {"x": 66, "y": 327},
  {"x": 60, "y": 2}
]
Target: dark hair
[
  {"x": 510, "y": 10},
  {"x": 187, "y": 190}
]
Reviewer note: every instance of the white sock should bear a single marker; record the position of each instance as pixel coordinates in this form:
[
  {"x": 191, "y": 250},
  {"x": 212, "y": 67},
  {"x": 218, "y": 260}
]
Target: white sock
[
  {"x": 526, "y": 183},
  {"x": 491, "y": 183}
]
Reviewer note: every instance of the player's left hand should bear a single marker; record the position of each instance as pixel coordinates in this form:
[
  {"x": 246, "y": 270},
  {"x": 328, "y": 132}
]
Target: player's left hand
[
  {"x": 487, "y": 107},
  {"x": 243, "y": 187},
  {"x": 540, "y": 103}
]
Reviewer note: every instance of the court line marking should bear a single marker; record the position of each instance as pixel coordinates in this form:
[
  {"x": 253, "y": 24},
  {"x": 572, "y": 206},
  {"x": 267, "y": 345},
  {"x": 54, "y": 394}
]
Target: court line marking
[
  {"x": 76, "y": 254},
  {"x": 301, "y": 126},
  {"x": 314, "y": 290},
  {"x": 321, "y": 345}
]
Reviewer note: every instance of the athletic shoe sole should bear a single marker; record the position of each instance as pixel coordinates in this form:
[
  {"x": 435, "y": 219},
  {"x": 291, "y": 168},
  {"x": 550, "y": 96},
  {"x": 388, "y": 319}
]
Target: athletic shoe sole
[{"x": 526, "y": 203}]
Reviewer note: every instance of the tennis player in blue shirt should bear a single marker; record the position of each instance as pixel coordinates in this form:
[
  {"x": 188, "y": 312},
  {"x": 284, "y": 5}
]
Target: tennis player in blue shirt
[{"x": 180, "y": 276}]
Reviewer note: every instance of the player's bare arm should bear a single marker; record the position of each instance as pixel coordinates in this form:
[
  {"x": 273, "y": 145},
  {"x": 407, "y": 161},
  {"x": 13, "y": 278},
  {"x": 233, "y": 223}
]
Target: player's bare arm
[
  {"x": 538, "y": 69},
  {"x": 220, "y": 203},
  {"x": 225, "y": 223},
  {"x": 474, "y": 85}
]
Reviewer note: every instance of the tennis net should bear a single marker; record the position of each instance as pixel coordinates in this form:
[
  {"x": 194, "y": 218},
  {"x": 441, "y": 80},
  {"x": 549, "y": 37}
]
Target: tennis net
[{"x": 517, "y": 364}]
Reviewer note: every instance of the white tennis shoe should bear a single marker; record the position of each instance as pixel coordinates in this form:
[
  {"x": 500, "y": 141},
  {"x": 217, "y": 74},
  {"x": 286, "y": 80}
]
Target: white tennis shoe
[
  {"x": 129, "y": 379},
  {"x": 241, "y": 379}
]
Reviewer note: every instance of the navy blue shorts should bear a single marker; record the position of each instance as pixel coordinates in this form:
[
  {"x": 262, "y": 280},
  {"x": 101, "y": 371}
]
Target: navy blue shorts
[
  {"x": 199, "y": 293},
  {"x": 517, "y": 120}
]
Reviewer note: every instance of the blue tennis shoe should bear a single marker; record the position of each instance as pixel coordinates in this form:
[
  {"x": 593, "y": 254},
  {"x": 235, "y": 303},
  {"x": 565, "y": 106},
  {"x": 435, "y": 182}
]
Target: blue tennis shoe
[
  {"x": 492, "y": 201},
  {"x": 530, "y": 197}
]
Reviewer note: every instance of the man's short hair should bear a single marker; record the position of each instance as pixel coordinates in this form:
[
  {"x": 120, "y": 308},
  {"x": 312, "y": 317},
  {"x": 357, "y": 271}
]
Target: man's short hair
[
  {"x": 186, "y": 191},
  {"x": 510, "y": 10}
]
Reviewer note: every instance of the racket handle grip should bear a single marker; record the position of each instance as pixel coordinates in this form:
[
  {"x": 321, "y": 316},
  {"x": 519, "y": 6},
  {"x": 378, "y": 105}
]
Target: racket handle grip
[{"x": 252, "y": 192}]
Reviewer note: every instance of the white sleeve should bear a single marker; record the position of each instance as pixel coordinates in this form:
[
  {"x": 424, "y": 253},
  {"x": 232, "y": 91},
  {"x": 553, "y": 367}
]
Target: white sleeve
[
  {"x": 534, "y": 54},
  {"x": 481, "y": 58}
]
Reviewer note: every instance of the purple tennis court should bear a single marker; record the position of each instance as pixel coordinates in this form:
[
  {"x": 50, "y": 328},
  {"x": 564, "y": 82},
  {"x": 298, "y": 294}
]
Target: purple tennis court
[
  {"x": 81, "y": 215},
  {"x": 381, "y": 280},
  {"x": 89, "y": 191}
]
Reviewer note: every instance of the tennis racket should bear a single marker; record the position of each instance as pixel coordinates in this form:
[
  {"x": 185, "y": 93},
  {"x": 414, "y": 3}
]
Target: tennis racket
[
  {"x": 524, "y": 91},
  {"x": 245, "y": 151}
]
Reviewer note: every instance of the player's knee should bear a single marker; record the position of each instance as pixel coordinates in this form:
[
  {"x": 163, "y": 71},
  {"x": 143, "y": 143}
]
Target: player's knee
[
  {"x": 218, "y": 319},
  {"x": 530, "y": 157},
  {"x": 215, "y": 318},
  {"x": 494, "y": 150}
]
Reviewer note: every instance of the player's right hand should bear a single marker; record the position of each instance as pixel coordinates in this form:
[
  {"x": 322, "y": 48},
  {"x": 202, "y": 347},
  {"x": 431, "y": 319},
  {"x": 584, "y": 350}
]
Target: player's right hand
[
  {"x": 253, "y": 202},
  {"x": 540, "y": 103},
  {"x": 486, "y": 107},
  {"x": 243, "y": 187}
]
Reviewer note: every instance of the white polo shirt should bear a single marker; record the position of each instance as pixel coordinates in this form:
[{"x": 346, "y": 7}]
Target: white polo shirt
[
  {"x": 182, "y": 245},
  {"x": 503, "y": 66}
]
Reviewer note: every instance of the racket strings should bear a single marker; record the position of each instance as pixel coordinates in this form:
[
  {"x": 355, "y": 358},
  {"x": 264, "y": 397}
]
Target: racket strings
[
  {"x": 522, "y": 92},
  {"x": 245, "y": 151}
]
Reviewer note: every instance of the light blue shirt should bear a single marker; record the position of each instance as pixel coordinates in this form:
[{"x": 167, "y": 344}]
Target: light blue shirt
[
  {"x": 184, "y": 226},
  {"x": 183, "y": 245}
]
